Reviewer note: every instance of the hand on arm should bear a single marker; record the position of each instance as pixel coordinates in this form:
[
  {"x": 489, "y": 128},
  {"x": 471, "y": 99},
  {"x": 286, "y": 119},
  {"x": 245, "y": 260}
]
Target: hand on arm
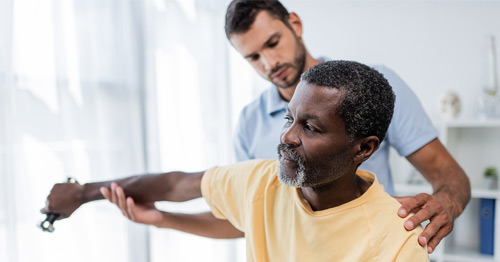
[
  {"x": 451, "y": 193},
  {"x": 203, "y": 224},
  {"x": 145, "y": 213}
]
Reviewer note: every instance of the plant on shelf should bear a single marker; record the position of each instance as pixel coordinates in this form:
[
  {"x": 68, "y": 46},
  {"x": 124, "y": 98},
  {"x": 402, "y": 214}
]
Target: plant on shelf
[{"x": 491, "y": 177}]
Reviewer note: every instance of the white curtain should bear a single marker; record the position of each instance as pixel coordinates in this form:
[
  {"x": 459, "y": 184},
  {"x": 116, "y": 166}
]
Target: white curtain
[
  {"x": 98, "y": 89},
  {"x": 71, "y": 106},
  {"x": 189, "y": 52}
]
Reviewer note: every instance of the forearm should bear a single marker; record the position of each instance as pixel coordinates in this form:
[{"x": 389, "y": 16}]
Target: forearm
[
  {"x": 451, "y": 193},
  {"x": 449, "y": 181},
  {"x": 65, "y": 198},
  {"x": 452, "y": 183},
  {"x": 172, "y": 186},
  {"x": 202, "y": 224}
]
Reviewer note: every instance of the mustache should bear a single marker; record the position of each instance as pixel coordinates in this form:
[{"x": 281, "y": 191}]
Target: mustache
[{"x": 288, "y": 149}]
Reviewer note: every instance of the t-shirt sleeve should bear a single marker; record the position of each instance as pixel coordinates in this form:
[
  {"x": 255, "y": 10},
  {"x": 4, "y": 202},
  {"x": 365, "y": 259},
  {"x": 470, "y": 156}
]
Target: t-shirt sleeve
[
  {"x": 410, "y": 128},
  {"x": 228, "y": 190},
  {"x": 411, "y": 251}
]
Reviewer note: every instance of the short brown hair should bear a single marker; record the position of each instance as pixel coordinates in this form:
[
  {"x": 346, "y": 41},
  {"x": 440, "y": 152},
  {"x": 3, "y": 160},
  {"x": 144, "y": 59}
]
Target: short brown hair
[{"x": 240, "y": 14}]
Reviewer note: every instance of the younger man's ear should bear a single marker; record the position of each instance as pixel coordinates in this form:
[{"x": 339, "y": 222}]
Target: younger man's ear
[
  {"x": 296, "y": 24},
  {"x": 367, "y": 146}
]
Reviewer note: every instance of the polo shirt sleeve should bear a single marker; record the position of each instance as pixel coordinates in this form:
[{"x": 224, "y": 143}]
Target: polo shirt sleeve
[
  {"x": 410, "y": 128},
  {"x": 240, "y": 140}
]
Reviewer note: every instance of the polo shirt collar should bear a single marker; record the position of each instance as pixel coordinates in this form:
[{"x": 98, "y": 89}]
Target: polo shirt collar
[{"x": 274, "y": 102}]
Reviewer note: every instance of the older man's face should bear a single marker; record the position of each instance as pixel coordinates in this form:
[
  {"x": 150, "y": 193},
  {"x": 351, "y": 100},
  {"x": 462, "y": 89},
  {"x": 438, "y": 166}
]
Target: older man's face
[
  {"x": 272, "y": 49},
  {"x": 315, "y": 148}
]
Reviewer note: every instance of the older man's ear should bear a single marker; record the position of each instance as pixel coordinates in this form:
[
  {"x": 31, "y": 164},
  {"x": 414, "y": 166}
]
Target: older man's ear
[{"x": 365, "y": 148}]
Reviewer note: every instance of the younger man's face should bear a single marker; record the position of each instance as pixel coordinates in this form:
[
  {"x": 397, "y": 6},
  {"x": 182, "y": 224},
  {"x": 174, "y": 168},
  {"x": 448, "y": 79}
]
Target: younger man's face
[
  {"x": 273, "y": 49},
  {"x": 315, "y": 148}
]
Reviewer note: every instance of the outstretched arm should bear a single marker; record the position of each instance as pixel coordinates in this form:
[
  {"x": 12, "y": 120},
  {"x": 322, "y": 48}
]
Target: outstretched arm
[
  {"x": 65, "y": 198},
  {"x": 202, "y": 224},
  {"x": 451, "y": 193}
]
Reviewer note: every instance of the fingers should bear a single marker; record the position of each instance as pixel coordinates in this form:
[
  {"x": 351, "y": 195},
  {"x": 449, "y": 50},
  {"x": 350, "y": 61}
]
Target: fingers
[
  {"x": 439, "y": 227},
  {"x": 117, "y": 197},
  {"x": 411, "y": 204},
  {"x": 110, "y": 194},
  {"x": 427, "y": 207},
  {"x": 63, "y": 199},
  {"x": 122, "y": 204},
  {"x": 105, "y": 193},
  {"x": 426, "y": 210},
  {"x": 431, "y": 246},
  {"x": 113, "y": 193}
]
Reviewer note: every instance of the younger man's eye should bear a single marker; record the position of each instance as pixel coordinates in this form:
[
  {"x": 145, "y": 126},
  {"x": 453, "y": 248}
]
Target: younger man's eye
[{"x": 254, "y": 57}]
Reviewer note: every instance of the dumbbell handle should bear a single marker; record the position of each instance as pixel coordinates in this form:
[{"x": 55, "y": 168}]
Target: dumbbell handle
[{"x": 48, "y": 224}]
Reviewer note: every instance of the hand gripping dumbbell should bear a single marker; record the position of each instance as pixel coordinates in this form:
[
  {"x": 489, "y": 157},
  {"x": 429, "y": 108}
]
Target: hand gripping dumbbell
[{"x": 47, "y": 225}]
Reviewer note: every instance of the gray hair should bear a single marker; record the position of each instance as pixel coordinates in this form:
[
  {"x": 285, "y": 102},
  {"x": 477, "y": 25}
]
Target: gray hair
[{"x": 368, "y": 104}]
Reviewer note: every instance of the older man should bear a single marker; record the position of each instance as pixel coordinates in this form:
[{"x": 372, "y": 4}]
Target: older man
[{"x": 312, "y": 204}]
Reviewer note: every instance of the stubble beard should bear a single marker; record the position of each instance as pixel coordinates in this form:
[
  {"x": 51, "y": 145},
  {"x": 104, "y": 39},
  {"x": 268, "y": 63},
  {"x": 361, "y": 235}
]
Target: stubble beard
[{"x": 299, "y": 63}]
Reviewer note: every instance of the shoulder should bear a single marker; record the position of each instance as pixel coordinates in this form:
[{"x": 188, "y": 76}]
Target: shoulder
[
  {"x": 258, "y": 105},
  {"x": 385, "y": 70},
  {"x": 394, "y": 242},
  {"x": 228, "y": 190},
  {"x": 248, "y": 172},
  {"x": 411, "y": 127},
  {"x": 392, "y": 77},
  {"x": 399, "y": 86}
]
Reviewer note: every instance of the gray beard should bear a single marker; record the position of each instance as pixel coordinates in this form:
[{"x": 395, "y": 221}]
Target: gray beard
[
  {"x": 313, "y": 176},
  {"x": 300, "y": 173},
  {"x": 297, "y": 181}
]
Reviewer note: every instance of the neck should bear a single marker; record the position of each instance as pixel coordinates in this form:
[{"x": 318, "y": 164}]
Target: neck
[
  {"x": 338, "y": 192},
  {"x": 287, "y": 93}
]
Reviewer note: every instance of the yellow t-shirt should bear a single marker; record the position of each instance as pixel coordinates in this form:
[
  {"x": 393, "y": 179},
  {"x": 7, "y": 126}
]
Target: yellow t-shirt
[{"x": 280, "y": 225}]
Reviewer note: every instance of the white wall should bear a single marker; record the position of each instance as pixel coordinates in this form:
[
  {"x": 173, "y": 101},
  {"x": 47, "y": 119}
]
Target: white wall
[{"x": 435, "y": 46}]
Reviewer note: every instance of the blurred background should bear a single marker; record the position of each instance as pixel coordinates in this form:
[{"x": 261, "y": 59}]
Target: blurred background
[{"x": 99, "y": 89}]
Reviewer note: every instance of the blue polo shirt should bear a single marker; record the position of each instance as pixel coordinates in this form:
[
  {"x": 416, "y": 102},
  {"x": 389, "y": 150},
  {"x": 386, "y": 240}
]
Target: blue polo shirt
[{"x": 259, "y": 127}]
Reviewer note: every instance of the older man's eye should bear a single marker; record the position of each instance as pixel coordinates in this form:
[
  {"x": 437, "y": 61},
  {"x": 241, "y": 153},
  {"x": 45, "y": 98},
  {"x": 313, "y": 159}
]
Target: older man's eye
[
  {"x": 288, "y": 119},
  {"x": 309, "y": 127}
]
